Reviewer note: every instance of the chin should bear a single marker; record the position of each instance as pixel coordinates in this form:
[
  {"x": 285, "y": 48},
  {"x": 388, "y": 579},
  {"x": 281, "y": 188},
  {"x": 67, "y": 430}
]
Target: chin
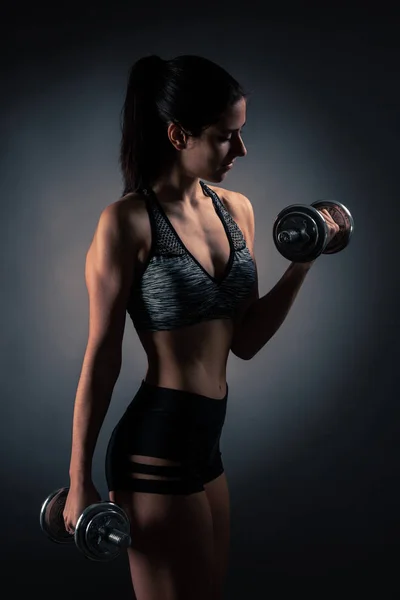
[{"x": 216, "y": 177}]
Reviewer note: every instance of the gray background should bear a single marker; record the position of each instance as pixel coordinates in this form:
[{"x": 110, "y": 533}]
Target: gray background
[{"x": 310, "y": 444}]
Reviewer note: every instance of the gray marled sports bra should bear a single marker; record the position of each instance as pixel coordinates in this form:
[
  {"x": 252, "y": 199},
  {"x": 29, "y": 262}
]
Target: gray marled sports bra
[{"x": 175, "y": 290}]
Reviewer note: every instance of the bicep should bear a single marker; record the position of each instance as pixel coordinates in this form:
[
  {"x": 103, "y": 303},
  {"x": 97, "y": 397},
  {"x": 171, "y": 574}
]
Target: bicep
[{"x": 109, "y": 271}]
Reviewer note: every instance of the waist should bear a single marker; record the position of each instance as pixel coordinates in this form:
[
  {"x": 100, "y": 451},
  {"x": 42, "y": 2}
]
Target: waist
[
  {"x": 181, "y": 395},
  {"x": 194, "y": 379}
]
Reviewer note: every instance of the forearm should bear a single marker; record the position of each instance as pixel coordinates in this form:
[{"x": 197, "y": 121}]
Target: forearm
[
  {"x": 93, "y": 397},
  {"x": 265, "y": 316}
]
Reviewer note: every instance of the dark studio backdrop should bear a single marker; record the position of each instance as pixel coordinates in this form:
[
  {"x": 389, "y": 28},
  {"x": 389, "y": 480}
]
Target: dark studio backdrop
[{"x": 311, "y": 440}]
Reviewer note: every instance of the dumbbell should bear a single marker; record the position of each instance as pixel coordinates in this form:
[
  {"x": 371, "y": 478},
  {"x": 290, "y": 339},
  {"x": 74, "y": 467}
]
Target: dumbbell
[
  {"x": 300, "y": 231},
  {"x": 101, "y": 531}
]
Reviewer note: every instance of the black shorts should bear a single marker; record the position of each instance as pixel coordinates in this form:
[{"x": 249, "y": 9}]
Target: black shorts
[{"x": 172, "y": 424}]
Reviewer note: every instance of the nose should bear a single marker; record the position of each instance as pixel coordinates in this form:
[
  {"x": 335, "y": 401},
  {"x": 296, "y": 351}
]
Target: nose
[
  {"x": 243, "y": 149},
  {"x": 240, "y": 148}
]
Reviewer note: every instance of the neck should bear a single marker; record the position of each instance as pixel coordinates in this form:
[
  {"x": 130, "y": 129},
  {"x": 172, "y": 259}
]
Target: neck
[{"x": 179, "y": 189}]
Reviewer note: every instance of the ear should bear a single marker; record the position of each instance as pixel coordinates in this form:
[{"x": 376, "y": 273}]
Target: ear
[{"x": 177, "y": 136}]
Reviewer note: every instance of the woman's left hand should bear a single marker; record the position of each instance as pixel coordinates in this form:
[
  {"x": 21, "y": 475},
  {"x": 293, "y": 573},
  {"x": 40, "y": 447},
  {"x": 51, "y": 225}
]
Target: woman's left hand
[{"x": 333, "y": 227}]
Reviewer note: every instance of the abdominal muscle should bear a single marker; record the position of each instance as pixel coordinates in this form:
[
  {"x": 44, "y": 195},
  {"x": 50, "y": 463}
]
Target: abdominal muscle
[{"x": 191, "y": 359}]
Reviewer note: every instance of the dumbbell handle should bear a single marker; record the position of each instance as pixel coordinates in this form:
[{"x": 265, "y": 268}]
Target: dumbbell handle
[
  {"x": 289, "y": 236},
  {"x": 116, "y": 537}
]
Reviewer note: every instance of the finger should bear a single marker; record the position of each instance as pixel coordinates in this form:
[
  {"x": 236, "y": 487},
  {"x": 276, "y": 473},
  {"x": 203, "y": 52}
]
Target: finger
[
  {"x": 327, "y": 215},
  {"x": 331, "y": 223},
  {"x": 69, "y": 527}
]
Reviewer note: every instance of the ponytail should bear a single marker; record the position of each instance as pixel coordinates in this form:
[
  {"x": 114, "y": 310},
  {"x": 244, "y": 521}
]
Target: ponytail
[{"x": 141, "y": 126}]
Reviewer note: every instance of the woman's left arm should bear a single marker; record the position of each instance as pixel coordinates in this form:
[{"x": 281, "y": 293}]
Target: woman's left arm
[{"x": 264, "y": 316}]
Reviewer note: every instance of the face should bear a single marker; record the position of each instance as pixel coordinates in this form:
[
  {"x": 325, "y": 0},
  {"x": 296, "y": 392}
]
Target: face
[{"x": 219, "y": 145}]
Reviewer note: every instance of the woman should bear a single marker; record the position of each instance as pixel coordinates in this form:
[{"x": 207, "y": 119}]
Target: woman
[{"x": 177, "y": 255}]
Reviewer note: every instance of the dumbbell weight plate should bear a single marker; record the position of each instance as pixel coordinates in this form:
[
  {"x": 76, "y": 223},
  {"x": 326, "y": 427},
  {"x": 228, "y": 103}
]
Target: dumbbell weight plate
[
  {"x": 298, "y": 217},
  {"x": 342, "y": 217},
  {"x": 92, "y": 528},
  {"x": 51, "y": 517}
]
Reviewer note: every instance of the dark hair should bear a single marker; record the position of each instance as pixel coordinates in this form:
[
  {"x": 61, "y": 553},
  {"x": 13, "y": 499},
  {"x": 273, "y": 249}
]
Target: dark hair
[{"x": 190, "y": 91}]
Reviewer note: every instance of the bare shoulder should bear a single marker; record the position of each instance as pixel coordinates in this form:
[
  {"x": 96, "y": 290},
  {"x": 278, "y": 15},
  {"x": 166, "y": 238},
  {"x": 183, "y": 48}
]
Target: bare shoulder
[
  {"x": 234, "y": 201},
  {"x": 131, "y": 205},
  {"x": 240, "y": 207},
  {"x": 130, "y": 213}
]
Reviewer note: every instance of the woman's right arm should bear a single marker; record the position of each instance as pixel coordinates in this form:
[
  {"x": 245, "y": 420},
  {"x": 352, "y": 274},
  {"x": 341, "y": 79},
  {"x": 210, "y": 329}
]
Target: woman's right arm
[{"x": 109, "y": 274}]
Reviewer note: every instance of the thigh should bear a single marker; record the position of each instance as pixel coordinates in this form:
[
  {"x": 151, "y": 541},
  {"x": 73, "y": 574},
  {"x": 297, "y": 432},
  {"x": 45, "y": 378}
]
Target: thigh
[
  {"x": 217, "y": 493},
  {"x": 171, "y": 556}
]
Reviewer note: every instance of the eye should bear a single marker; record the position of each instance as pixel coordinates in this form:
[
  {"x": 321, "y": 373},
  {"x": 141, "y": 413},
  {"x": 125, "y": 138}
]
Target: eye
[{"x": 225, "y": 139}]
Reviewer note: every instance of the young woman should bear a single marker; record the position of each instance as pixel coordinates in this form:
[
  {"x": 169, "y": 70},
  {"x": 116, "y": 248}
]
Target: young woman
[{"x": 178, "y": 256}]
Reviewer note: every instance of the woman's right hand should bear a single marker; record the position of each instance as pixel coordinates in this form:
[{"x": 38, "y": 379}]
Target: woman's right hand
[{"x": 79, "y": 497}]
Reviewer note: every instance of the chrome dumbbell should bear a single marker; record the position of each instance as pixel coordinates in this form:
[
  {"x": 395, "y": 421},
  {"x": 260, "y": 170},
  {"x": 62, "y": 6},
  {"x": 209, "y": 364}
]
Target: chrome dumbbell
[
  {"x": 101, "y": 532},
  {"x": 300, "y": 232}
]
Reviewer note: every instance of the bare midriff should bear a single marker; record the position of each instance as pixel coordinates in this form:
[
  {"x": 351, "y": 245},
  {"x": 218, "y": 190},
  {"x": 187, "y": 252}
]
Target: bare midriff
[{"x": 192, "y": 359}]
